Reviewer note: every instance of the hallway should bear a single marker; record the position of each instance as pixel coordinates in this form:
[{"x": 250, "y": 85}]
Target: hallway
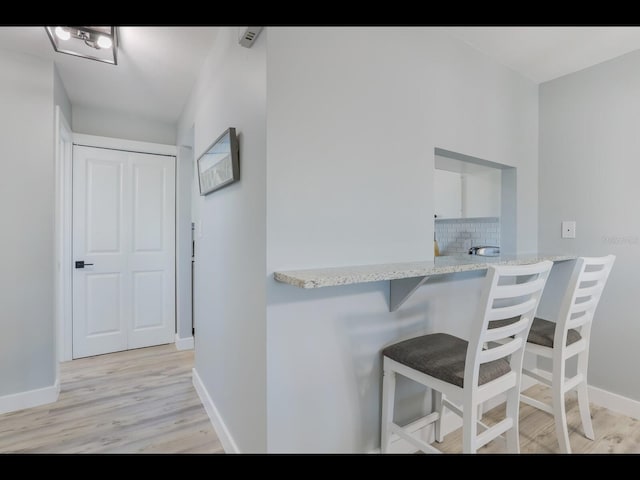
[{"x": 137, "y": 401}]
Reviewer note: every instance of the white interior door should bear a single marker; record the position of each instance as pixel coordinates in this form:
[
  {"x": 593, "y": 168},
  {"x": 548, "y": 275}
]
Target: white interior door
[
  {"x": 124, "y": 232},
  {"x": 152, "y": 250}
]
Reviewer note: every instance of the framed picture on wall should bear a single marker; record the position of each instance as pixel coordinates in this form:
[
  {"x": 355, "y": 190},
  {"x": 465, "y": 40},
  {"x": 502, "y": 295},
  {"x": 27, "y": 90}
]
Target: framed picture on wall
[{"x": 219, "y": 165}]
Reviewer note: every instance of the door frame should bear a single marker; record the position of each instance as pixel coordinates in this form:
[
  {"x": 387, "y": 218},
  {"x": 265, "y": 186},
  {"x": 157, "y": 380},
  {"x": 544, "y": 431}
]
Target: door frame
[
  {"x": 63, "y": 215},
  {"x": 62, "y": 232}
]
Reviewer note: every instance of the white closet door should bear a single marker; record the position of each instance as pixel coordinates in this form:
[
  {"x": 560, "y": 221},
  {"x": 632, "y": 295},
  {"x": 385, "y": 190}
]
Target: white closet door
[
  {"x": 123, "y": 230},
  {"x": 152, "y": 254},
  {"x": 101, "y": 298}
]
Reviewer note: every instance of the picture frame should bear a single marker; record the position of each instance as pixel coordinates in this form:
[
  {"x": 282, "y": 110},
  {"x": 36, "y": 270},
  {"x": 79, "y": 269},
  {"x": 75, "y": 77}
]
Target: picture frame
[{"x": 219, "y": 165}]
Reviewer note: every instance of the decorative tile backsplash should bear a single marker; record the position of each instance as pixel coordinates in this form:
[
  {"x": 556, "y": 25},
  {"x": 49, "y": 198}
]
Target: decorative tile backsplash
[{"x": 458, "y": 235}]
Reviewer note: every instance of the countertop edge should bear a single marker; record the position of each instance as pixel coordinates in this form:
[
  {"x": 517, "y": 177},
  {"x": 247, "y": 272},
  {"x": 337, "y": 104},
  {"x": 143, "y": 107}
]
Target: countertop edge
[{"x": 349, "y": 275}]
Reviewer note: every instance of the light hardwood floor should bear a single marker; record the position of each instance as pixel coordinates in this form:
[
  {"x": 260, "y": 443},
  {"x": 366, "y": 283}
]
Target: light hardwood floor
[
  {"x": 615, "y": 433},
  {"x": 139, "y": 401},
  {"x": 143, "y": 401}
]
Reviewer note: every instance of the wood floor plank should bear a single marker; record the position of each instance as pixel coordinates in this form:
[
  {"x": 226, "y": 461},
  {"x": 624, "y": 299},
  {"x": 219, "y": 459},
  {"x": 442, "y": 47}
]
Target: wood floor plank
[
  {"x": 143, "y": 401},
  {"x": 615, "y": 433},
  {"x": 138, "y": 401}
]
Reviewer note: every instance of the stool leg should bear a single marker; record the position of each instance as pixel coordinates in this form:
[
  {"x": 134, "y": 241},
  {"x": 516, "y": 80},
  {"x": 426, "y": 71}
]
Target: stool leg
[
  {"x": 583, "y": 396},
  {"x": 513, "y": 411},
  {"x": 585, "y": 414},
  {"x": 559, "y": 409},
  {"x": 388, "y": 398},
  {"x": 438, "y": 406},
  {"x": 469, "y": 427}
]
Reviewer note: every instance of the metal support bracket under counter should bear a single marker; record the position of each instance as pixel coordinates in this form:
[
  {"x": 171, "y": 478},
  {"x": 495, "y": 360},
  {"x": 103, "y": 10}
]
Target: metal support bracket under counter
[{"x": 404, "y": 278}]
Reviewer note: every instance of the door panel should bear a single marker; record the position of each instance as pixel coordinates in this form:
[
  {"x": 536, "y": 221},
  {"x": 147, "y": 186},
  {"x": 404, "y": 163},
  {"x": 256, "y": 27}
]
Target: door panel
[
  {"x": 149, "y": 190},
  {"x": 152, "y": 258},
  {"x": 100, "y": 291},
  {"x": 103, "y": 303},
  {"x": 147, "y": 300},
  {"x": 104, "y": 212},
  {"x": 123, "y": 224}
]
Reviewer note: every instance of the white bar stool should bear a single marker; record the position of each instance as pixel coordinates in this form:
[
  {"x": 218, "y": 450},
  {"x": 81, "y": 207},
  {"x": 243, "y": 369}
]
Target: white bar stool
[
  {"x": 565, "y": 338},
  {"x": 467, "y": 372}
]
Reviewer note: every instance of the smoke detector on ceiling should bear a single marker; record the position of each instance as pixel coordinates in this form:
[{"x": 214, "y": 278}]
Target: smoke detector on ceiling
[{"x": 249, "y": 36}]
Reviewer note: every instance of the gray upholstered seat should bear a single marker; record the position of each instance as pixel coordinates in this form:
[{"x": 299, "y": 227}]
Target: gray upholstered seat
[
  {"x": 542, "y": 331},
  {"x": 442, "y": 356}
]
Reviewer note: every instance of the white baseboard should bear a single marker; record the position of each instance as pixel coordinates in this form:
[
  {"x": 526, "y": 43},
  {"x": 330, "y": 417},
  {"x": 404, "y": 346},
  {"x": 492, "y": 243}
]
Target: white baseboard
[
  {"x": 614, "y": 402},
  {"x": 611, "y": 401},
  {"x": 29, "y": 399},
  {"x": 184, "y": 343},
  {"x": 450, "y": 423},
  {"x": 228, "y": 443}
]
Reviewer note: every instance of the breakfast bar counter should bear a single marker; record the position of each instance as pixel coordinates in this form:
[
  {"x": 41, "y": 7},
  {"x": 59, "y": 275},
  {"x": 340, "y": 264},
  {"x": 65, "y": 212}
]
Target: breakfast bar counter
[{"x": 404, "y": 278}]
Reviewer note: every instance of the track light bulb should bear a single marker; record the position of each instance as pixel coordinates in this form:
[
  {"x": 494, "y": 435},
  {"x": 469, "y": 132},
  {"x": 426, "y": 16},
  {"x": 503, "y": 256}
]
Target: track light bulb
[{"x": 62, "y": 33}]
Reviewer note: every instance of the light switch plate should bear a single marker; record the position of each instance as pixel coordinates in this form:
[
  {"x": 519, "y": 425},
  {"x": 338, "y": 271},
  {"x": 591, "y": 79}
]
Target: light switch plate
[{"x": 569, "y": 229}]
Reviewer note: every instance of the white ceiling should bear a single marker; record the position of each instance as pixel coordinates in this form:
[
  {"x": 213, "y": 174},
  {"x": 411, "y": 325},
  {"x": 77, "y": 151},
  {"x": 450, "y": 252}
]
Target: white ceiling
[
  {"x": 545, "y": 53},
  {"x": 157, "y": 67}
]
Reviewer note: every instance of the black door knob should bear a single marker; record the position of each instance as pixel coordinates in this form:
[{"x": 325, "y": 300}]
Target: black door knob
[{"x": 81, "y": 264}]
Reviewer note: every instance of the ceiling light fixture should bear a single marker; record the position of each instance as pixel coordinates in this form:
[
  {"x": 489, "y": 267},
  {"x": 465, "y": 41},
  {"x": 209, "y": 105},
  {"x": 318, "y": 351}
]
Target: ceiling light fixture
[
  {"x": 94, "y": 43},
  {"x": 104, "y": 42},
  {"x": 62, "y": 33}
]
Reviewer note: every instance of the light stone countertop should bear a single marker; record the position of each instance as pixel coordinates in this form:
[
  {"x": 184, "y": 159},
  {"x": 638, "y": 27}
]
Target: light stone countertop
[{"x": 329, "y": 277}]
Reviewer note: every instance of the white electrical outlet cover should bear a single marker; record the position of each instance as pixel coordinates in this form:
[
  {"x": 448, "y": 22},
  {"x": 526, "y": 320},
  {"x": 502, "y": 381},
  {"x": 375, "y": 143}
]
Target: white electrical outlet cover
[{"x": 569, "y": 229}]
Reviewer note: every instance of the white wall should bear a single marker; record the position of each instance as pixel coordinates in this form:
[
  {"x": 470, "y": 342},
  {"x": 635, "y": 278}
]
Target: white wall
[
  {"x": 589, "y": 170},
  {"x": 118, "y": 124},
  {"x": 60, "y": 96},
  {"x": 354, "y": 115},
  {"x": 230, "y": 263},
  {"x": 27, "y": 343}
]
